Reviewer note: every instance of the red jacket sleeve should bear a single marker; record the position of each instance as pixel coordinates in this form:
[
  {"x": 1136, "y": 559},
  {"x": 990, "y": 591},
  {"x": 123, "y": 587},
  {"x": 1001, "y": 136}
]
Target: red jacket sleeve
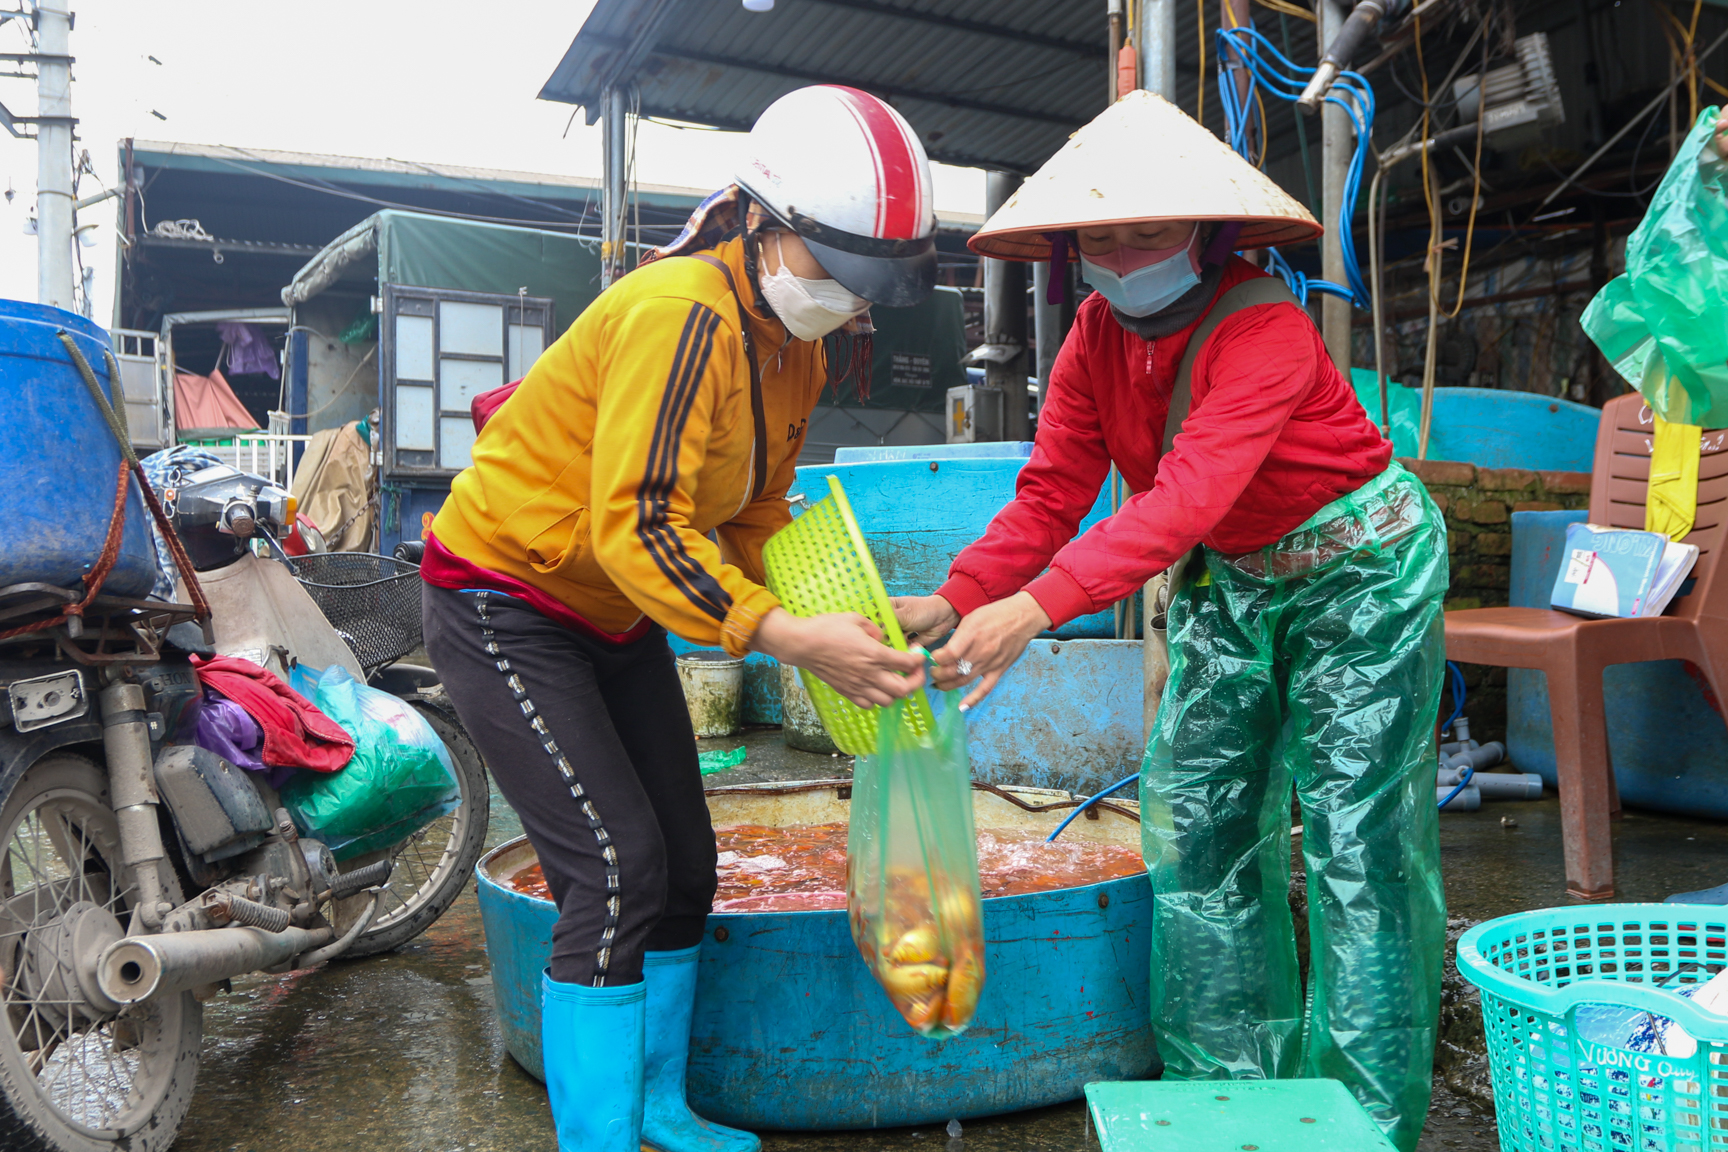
[
  {"x": 1056, "y": 489},
  {"x": 1247, "y": 381}
]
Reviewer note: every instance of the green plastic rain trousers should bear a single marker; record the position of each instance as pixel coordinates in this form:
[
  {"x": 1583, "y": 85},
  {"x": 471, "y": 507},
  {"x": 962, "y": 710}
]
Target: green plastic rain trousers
[{"x": 1316, "y": 662}]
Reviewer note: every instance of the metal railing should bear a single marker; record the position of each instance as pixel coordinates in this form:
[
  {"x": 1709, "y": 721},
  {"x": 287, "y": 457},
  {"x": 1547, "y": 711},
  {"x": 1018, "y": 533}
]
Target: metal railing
[{"x": 267, "y": 454}]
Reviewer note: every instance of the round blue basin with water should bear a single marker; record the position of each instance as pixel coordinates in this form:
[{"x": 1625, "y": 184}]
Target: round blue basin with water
[{"x": 792, "y": 1032}]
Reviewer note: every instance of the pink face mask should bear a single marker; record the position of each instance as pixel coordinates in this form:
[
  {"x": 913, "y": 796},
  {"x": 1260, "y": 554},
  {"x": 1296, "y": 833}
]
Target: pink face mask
[{"x": 1125, "y": 259}]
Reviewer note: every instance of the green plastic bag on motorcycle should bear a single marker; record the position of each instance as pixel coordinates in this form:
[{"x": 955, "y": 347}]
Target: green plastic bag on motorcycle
[
  {"x": 1664, "y": 323},
  {"x": 912, "y": 892},
  {"x": 400, "y": 779}
]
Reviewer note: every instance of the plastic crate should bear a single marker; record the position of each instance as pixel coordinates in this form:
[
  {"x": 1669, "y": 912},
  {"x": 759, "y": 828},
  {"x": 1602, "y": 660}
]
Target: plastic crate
[
  {"x": 1557, "y": 1088},
  {"x": 1228, "y": 1115},
  {"x": 817, "y": 564}
]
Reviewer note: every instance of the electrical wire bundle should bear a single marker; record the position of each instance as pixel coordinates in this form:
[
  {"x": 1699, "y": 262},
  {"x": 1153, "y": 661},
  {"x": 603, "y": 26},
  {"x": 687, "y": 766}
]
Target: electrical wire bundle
[{"x": 1271, "y": 72}]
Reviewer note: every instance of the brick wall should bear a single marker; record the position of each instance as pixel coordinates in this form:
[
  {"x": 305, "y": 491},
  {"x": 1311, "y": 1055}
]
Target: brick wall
[{"x": 1478, "y": 504}]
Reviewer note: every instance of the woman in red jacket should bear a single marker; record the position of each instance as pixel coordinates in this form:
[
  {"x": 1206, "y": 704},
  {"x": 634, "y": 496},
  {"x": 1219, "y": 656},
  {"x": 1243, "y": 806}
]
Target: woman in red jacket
[{"x": 1306, "y": 640}]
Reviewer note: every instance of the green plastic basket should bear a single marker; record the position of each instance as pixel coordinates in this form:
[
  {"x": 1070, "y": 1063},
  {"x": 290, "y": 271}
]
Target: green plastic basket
[
  {"x": 1556, "y": 1088},
  {"x": 819, "y": 563}
]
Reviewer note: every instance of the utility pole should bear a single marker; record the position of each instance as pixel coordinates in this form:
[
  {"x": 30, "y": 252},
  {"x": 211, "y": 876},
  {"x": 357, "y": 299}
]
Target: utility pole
[
  {"x": 614, "y": 187},
  {"x": 1005, "y": 318},
  {"x": 1156, "y": 31},
  {"x": 1337, "y": 145},
  {"x": 53, "y": 155}
]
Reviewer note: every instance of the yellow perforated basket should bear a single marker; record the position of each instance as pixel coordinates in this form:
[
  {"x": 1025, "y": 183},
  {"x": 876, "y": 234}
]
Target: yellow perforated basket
[{"x": 819, "y": 563}]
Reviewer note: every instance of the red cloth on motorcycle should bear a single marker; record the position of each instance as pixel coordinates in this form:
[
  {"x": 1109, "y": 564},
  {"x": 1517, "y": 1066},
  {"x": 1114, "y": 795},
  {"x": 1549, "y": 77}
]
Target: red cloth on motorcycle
[
  {"x": 1275, "y": 434},
  {"x": 483, "y": 405},
  {"x": 296, "y": 734}
]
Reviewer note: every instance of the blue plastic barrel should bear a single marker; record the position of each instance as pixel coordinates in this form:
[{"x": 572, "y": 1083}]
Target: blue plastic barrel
[
  {"x": 792, "y": 1032},
  {"x": 59, "y": 461}
]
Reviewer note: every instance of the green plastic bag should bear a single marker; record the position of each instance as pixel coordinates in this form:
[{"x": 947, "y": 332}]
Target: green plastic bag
[
  {"x": 1664, "y": 324},
  {"x": 912, "y": 870},
  {"x": 400, "y": 779}
]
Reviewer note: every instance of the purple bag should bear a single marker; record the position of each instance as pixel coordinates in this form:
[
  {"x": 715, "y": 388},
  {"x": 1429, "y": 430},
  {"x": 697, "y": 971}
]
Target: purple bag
[{"x": 225, "y": 728}]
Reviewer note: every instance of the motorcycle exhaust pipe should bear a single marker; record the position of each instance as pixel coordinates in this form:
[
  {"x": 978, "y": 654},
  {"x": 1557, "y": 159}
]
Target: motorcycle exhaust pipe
[{"x": 135, "y": 969}]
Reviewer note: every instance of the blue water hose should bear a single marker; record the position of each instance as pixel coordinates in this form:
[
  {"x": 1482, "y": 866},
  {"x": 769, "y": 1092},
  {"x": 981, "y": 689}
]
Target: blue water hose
[
  {"x": 1457, "y": 675},
  {"x": 1273, "y": 72},
  {"x": 1091, "y": 800},
  {"x": 1463, "y": 783}
]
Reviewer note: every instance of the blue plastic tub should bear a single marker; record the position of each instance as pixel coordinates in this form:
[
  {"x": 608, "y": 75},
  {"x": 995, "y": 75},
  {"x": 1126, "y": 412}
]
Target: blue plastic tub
[
  {"x": 59, "y": 461},
  {"x": 791, "y": 1031}
]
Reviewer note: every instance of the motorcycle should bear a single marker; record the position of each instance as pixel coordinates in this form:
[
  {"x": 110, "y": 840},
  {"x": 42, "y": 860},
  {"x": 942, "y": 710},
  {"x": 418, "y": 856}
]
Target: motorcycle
[{"x": 140, "y": 873}]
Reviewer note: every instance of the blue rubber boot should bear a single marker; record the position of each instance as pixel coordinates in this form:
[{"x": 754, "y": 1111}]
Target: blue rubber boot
[
  {"x": 668, "y": 1125},
  {"x": 592, "y": 1039}
]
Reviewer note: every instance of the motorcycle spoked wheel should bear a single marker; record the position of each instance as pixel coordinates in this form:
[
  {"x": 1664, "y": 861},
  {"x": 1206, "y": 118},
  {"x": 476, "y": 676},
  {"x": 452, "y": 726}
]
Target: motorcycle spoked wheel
[
  {"x": 72, "y": 1078},
  {"x": 434, "y": 863}
]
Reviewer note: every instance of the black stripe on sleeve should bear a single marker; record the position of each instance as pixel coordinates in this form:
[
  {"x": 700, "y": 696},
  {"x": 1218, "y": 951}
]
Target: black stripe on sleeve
[{"x": 689, "y": 364}]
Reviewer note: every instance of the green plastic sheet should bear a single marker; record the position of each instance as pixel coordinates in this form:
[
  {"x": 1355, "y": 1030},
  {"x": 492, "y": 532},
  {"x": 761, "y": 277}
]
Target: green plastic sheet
[
  {"x": 400, "y": 779},
  {"x": 1664, "y": 323},
  {"x": 720, "y": 760},
  {"x": 912, "y": 890},
  {"x": 1315, "y": 664}
]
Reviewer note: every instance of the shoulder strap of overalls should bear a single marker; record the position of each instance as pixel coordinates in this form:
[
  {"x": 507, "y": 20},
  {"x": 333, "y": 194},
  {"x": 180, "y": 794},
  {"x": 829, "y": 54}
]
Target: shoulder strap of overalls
[
  {"x": 757, "y": 411},
  {"x": 1256, "y": 290}
]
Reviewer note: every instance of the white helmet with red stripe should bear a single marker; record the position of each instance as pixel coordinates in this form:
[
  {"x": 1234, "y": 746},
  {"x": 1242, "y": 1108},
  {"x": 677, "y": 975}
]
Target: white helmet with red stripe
[{"x": 847, "y": 173}]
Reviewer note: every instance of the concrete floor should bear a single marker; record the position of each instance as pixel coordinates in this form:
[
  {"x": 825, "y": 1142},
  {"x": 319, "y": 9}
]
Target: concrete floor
[{"x": 402, "y": 1052}]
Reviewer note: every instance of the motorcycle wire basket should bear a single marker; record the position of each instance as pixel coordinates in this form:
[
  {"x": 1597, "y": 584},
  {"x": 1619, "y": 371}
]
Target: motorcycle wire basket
[
  {"x": 373, "y": 601},
  {"x": 1591, "y": 1045},
  {"x": 820, "y": 563}
]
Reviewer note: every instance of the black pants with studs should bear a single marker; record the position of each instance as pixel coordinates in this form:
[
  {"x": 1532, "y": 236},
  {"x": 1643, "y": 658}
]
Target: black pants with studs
[{"x": 592, "y": 746}]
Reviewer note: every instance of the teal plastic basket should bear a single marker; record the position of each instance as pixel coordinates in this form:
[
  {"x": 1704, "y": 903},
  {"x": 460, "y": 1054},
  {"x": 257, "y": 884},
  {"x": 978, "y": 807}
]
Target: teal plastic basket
[{"x": 1557, "y": 1088}]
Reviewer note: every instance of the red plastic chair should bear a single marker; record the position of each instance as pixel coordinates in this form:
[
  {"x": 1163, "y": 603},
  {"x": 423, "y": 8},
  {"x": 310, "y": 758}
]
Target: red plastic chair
[{"x": 1573, "y": 651}]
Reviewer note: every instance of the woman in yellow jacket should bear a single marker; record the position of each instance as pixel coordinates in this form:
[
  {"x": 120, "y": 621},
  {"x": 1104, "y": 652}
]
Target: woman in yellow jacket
[{"x": 626, "y": 490}]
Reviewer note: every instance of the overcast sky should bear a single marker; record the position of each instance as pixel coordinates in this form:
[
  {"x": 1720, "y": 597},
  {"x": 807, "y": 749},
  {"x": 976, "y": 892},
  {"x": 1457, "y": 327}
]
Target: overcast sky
[{"x": 430, "y": 80}]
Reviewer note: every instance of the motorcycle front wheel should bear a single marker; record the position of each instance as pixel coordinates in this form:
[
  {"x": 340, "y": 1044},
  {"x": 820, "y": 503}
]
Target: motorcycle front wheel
[
  {"x": 434, "y": 863},
  {"x": 74, "y": 1078}
]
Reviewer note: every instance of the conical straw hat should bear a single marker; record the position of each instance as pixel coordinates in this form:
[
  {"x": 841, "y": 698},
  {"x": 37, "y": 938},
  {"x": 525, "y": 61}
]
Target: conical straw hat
[{"x": 1142, "y": 158}]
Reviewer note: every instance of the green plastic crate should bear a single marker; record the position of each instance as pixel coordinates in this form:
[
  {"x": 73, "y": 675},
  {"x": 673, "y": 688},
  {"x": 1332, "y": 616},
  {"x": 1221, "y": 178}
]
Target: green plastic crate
[
  {"x": 820, "y": 563},
  {"x": 1231, "y": 1116},
  {"x": 1556, "y": 1090}
]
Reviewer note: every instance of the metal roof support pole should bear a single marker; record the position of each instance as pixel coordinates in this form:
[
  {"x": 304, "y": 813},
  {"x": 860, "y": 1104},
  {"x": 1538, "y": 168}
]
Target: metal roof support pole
[
  {"x": 1337, "y": 143},
  {"x": 613, "y": 193},
  {"x": 54, "y": 156},
  {"x": 1156, "y": 31},
  {"x": 1005, "y": 318}
]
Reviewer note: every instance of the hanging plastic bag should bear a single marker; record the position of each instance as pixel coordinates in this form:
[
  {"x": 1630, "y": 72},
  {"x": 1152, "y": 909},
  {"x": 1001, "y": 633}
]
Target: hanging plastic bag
[
  {"x": 400, "y": 779},
  {"x": 912, "y": 871},
  {"x": 1664, "y": 324}
]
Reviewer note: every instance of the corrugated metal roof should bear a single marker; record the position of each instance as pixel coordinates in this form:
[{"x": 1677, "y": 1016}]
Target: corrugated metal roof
[{"x": 991, "y": 83}]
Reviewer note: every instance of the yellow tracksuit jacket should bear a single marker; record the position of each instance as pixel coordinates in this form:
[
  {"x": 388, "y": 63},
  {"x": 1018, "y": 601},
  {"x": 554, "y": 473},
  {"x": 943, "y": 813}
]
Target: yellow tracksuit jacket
[{"x": 633, "y": 438}]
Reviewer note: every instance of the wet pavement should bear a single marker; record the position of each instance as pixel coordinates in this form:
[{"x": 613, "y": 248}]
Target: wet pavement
[{"x": 402, "y": 1052}]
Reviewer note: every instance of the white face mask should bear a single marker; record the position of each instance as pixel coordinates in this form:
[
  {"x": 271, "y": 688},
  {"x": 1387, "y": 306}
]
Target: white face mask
[{"x": 810, "y": 309}]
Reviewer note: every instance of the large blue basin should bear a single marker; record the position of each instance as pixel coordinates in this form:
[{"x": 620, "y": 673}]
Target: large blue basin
[
  {"x": 59, "y": 462},
  {"x": 792, "y": 1032}
]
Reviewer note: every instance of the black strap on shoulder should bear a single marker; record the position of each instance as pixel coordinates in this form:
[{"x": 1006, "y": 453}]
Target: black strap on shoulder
[
  {"x": 757, "y": 412},
  {"x": 1258, "y": 290}
]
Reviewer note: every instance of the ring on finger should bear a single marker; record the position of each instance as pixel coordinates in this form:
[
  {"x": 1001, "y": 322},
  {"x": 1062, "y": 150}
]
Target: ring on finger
[{"x": 963, "y": 667}]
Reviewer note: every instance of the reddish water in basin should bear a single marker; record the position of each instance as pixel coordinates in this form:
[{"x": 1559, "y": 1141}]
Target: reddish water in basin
[{"x": 802, "y": 867}]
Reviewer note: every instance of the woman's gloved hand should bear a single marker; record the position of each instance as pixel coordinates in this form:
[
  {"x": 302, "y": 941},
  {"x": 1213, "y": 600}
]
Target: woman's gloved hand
[
  {"x": 924, "y": 619},
  {"x": 987, "y": 643},
  {"x": 845, "y": 651}
]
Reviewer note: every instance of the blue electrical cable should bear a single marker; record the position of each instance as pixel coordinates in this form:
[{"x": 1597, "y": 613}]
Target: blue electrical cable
[
  {"x": 1285, "y": 80},
  {"x": 1091, "y": 800},
  {"x": 1457, "y": 675}
]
